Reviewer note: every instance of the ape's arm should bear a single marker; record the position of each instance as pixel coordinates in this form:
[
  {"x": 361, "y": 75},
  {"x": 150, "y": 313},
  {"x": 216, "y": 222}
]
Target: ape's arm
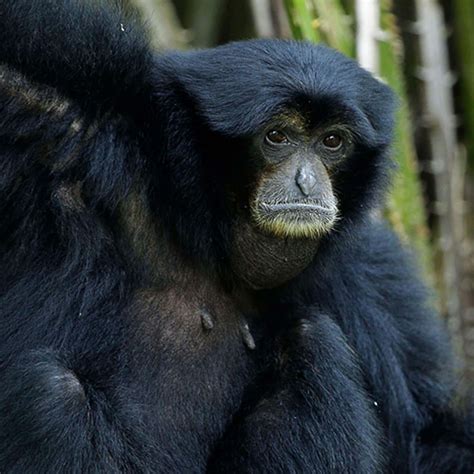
[
  {"x": 370, "y": 287},
  {"x": 316, "y": 419},
  {"x": 69, "y": 75},
  {"x": 91, "y": 53},
  {"x": 72, "y": 91},
  {"x": 420, "y": 395},
  {"x": 73, "y": 84}
]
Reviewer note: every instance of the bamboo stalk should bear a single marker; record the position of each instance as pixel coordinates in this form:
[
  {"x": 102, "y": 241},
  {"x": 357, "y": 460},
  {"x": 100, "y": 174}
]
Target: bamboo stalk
[
  {"x": 405, "y": 207},
  {"x": 302, "y": 20},
  {"x": 262, "y": 16},
  {"x": 335, "y": 25},
  {"x": 446, "y": 166},
  {"x": 463, "y": 12},
  {"x": 368, "y": 32}
]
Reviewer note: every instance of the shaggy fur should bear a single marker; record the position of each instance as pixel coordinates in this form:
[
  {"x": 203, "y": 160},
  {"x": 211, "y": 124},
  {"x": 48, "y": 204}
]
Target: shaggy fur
[{"x": 127, "y": 344}]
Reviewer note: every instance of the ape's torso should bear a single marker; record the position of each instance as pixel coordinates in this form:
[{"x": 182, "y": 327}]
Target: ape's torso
[{"x": 190, "y": 376}]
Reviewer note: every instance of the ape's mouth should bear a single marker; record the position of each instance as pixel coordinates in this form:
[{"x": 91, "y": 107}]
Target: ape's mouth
[
  {"x": 307, "y": 219},
  {"x": 297, "y": 206}
]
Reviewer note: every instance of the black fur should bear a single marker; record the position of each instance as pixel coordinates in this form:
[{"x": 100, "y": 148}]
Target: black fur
[{"x": 106, "y": 150}]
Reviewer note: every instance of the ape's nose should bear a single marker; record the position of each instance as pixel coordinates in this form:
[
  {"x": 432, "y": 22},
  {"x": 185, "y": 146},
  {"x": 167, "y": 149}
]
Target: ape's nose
[{"x": 305, "y": 180}]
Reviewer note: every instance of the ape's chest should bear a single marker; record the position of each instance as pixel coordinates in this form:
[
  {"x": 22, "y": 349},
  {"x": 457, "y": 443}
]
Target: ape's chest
[{"x": 195, "y": 361}]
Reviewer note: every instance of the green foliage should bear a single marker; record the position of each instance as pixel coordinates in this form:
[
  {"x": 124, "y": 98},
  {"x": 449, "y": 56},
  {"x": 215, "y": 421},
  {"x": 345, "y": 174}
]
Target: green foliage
[
  {"x": 405, "y": 208},
  {"x": 335, "y": 25},
  {"x": 302, "y": 20}
]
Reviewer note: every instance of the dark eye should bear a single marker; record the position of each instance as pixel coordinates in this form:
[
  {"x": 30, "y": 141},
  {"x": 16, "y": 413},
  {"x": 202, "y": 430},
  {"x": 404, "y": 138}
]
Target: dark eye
[
  {"x": 333, "y": 141},
  {"x": 276, "y": 137}
]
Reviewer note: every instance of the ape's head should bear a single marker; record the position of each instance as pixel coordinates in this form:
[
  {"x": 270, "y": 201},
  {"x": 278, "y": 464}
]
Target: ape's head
[{"x": 287, "y": 139}]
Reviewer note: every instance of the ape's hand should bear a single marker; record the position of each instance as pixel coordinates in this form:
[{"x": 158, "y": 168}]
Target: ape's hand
[{"x": 318, "y": 402}]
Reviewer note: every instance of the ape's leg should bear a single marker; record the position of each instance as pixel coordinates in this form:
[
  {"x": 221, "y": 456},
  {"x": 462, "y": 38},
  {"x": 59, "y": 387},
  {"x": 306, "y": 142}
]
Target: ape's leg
[{"x": 317, "y": 418}]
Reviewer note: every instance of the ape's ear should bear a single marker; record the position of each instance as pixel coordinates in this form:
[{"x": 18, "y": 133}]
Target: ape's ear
[{"x": 378, "y": 103}]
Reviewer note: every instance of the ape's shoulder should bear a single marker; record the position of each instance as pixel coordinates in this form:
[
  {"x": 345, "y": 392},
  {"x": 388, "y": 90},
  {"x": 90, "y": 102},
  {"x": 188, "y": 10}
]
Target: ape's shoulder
[
  {"x": 88, "y": 51},
  {"x": 368, "y": 277},
  {"x": 368, "y": 265},
  {"x": 373, "y": 245}
]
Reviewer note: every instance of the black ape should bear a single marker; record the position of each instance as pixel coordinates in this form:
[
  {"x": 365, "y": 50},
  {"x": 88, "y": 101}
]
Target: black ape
[{"x": 191, "y": 279}]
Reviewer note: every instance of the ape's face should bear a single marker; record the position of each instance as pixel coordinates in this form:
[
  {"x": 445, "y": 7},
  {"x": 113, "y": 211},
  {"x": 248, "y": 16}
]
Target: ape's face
[
  {"x": 293, "y": 196},
  {"x": 286, "y": 194}
]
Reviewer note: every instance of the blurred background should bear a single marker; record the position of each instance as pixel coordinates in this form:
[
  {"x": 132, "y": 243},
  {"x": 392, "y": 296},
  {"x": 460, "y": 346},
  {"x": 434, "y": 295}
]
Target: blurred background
[{"x": 425, "y": 50}]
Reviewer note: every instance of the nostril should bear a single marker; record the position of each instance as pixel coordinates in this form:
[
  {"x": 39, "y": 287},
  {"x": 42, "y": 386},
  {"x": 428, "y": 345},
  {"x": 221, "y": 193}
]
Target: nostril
[{"x": 305, "y": 180}]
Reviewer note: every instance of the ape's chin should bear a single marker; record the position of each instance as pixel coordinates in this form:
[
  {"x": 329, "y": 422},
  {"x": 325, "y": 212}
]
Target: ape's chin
[{"x": 295, "y": 220}]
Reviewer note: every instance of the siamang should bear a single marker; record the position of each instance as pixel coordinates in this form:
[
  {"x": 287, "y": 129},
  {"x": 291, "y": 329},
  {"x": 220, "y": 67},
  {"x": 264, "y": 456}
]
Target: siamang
[{"x": 192, "y": 276}]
